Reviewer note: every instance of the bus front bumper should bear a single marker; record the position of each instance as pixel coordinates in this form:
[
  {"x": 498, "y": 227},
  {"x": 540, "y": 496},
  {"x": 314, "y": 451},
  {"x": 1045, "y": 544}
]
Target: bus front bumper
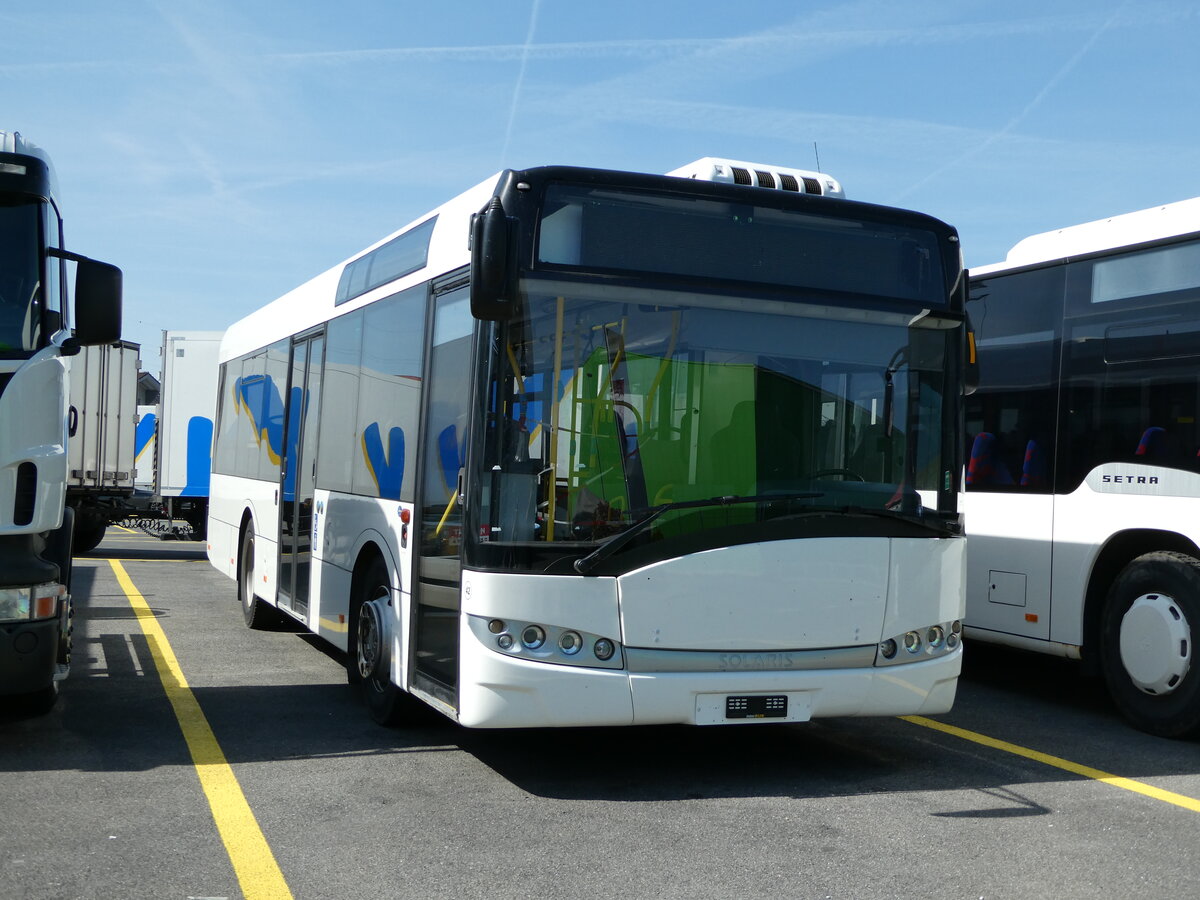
[{"x": 497, "y": 691}]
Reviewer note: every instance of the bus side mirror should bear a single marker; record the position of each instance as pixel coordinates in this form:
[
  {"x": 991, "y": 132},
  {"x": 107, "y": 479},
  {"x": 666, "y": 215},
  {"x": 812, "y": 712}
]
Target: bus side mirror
[
  {"x": 97, "y": 303},
  {"x": 491, "y": 282}
]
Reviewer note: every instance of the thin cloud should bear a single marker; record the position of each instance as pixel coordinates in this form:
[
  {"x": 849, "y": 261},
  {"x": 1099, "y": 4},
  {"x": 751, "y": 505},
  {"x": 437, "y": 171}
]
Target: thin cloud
[
  {"x": 512, "y": 111},
  {"x": 1033, "y": 104},
  {"x": 802, "y": 33}
]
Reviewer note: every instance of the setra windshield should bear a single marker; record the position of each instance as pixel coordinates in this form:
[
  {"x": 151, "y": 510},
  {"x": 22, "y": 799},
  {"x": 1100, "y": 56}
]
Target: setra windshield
[
  {"x": 614, "y": 409},
  {"x": 20, "y": 276}
]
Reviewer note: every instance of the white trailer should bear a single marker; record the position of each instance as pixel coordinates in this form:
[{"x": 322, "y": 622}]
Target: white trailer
[
  {"x": 187, "y": 407},
  {"x": 102, "y": 422}
]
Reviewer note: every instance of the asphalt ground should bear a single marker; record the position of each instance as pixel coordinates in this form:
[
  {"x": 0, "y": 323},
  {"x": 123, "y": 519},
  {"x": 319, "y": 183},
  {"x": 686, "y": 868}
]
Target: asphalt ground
[{"x": 190, "y": 757}]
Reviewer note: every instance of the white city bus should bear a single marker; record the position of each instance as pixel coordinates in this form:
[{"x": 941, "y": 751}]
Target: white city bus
[
  {"x": 585, "y": 447},
  {"x": 1083, "y": 474}
]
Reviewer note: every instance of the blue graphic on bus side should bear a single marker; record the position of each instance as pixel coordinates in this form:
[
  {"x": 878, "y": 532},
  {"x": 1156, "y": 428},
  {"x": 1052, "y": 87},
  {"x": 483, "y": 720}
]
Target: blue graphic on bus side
[
  {"x": 259, "y": 398},
  {"x": 386, "y": 468}
]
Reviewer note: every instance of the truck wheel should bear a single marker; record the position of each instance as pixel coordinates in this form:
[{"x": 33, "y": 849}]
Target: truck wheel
[
  {"x": 258, "y": 613},
  {"x": 371, "y": 653},
  {"x": 89, "y": 532},
  {"x": 1146, "y": 635}
]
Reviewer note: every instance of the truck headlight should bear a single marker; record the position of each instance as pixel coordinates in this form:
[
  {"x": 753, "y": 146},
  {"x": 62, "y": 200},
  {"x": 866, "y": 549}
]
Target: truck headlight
[{"x": 37, "y": 602}]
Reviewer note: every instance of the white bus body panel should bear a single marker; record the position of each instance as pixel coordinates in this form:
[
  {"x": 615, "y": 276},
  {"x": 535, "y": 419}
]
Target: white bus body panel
[
  {"x": 233, "y": 498},
  {"x": 1008, "y": 566},
  {"x": 104, "y": 398},
  {"x": 33, "y": 428},
  {"x": 187, "y": 403},
  {"x": 1014, "y": 552},
  {"x": 1152, "y": 224},
  {"x": 698, "y": 604}
]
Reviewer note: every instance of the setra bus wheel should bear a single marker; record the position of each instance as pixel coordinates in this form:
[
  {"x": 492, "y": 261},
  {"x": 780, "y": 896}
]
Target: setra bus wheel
[
  {"x": 258, "y": 613},
  {"x": 371, "y": 653},
  {"x": 1146, "y": 632}
]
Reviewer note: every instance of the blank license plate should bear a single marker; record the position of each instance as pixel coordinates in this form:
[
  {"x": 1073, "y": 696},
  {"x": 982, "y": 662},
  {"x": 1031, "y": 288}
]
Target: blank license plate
[{"x": 757, "y": 706}]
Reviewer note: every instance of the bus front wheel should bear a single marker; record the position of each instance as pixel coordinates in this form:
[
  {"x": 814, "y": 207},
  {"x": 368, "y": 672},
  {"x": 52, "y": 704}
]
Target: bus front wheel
[
  {"x": 371, "y": 659},
  {"x": 1146, "y": 636}
]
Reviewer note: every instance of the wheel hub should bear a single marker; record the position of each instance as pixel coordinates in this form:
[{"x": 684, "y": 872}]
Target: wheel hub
[
  {"x": 371, "y": 644},
  {"x": 1156, "y": 644}
]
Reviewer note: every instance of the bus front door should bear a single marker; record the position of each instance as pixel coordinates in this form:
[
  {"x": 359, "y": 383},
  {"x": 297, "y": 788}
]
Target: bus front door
[{"x": 296, "y": 490}]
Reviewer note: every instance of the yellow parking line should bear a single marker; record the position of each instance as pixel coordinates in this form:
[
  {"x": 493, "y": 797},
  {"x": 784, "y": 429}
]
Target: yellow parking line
[
  {"x": 253, "y": 862},
  {"x": 1058, "y": 762}
]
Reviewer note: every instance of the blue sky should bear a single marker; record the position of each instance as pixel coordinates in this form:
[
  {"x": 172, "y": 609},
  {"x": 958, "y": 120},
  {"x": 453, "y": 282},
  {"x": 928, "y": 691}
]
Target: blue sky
[{"x": 223, "y": 152}]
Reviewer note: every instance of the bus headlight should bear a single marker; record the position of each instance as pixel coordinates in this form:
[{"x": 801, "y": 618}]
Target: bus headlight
[
  {"x": 570, "y": 643},
  {"x": 928, "y": 642},
  {"x": 539, "y": 642}
]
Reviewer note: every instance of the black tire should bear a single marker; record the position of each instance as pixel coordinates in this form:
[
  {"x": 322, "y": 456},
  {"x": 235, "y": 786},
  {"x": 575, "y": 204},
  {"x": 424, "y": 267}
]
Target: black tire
[
  {"x": 89, "y": 532},
  {"x": 35, "y": 703},
  {"x": 258, "y": 613},
  {"x": 369, "y": 661},
  {"x": 1152, "y": 677}
]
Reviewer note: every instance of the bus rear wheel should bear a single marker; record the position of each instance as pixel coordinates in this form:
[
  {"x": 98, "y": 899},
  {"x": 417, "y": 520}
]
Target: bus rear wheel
[
  {"x": 258, "y": 613},
  {"x": 371, "y": 657},
  {"x": 1146, "y": 637}
]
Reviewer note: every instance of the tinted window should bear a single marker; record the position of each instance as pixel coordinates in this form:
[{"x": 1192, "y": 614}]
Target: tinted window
[
  {"x": 1010, "y": 419},
  {"x": 398, "y": 257},
  {"x": 389, "y": 392},
  {"x": 343, "y": 358},
  {"x": 1132, "y": 362},
  {"x": 610, "y": 229}
]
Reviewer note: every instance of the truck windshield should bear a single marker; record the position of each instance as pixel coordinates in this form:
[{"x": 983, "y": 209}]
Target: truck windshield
[
  {"x": 607, "y": 404},
  {"x": 20, "y": 276}
]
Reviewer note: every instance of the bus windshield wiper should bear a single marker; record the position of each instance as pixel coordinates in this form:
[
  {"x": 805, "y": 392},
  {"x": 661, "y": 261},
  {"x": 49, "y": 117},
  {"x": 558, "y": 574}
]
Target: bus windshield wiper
[
  {"x": 903, "y": 516},
  {"x": 585, "y": 564}
]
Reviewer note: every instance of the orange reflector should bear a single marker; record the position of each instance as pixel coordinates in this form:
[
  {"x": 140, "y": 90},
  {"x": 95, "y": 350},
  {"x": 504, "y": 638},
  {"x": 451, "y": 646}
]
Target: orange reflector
[
  {"x": 44, "y": 607},
  {"x": 1030, "y": 617}
]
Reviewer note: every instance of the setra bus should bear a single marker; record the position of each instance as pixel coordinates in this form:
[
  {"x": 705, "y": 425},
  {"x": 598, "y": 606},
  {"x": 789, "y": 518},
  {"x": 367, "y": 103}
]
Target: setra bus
[
  {"x": 586, "y": 447},
  {"x": 1083, "y": 467}
]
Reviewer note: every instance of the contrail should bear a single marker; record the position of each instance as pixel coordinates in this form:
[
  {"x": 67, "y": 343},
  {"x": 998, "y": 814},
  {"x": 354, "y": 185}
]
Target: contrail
[
  {"x": 512, "y": 112},
  {"x": 1029, "y": 107}
]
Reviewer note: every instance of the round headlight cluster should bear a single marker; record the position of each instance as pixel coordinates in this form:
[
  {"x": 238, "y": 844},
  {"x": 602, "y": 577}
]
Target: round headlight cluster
[
  {"x": 921, "y": 643},
  {"x": 547, "y": 643}
]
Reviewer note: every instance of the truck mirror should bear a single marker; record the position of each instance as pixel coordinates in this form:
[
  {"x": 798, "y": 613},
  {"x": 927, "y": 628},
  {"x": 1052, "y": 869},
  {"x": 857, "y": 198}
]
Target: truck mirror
[{"x": 97, "y": 303}]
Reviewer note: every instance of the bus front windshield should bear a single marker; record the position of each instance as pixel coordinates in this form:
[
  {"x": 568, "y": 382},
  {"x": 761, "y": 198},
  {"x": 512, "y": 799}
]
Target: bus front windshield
[
  {"x": 609, "y": 405},
  {"x": 20, "y": 280}
]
